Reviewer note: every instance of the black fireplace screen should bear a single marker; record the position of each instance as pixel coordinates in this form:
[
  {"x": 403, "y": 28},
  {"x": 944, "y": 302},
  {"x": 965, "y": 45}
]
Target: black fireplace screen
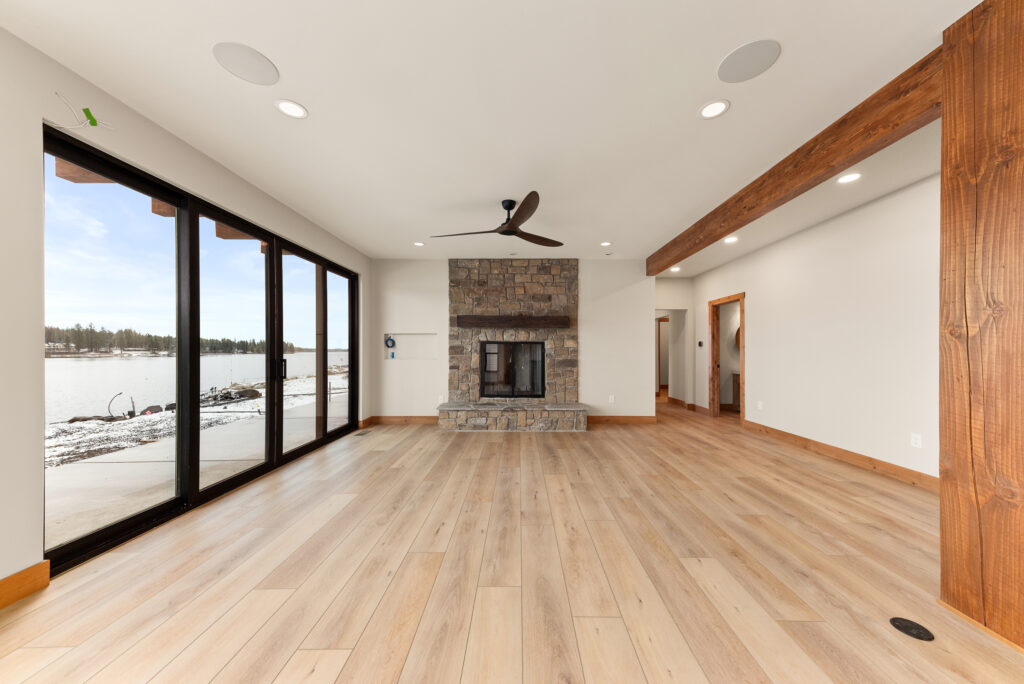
[{"x": 511, "y": 369}]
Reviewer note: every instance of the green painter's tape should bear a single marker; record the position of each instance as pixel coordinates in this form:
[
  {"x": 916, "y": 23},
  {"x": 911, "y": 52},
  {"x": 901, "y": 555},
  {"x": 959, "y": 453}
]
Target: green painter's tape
[{"x": 90, "y": 117}]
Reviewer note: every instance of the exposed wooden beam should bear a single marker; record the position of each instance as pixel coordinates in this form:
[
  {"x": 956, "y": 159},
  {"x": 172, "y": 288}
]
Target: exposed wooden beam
[
  {"x": 905, "y": 104},
  {"x": 981, "y": 350}
]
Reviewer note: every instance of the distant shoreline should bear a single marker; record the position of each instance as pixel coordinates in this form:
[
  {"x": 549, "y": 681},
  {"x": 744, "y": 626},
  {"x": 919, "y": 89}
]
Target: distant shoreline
[{"x": 52, "y": 354}]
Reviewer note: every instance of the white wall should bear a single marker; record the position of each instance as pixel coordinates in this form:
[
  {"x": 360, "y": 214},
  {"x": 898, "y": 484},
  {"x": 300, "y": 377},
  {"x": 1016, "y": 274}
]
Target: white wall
[
  {"x": 842, "y": 329},
  {"x": 680, "y": 377},
  {"x": 673, "y": 293},
  {"x": 409, "y": 296},
  {"x": 729, "y": 353},
  {"x": 616, "y": 337},
  {"x": 29, "y": 79}
]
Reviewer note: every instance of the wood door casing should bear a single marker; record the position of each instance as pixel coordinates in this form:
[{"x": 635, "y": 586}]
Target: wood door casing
[{"x": 714, "y": 374}]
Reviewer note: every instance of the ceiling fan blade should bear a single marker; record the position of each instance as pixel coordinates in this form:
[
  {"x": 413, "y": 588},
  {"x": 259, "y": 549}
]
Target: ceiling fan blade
[
  {"x": 526, "y": 208},
  {"x": 537, "y": 239},
  {"x": 475, "y": 232}
]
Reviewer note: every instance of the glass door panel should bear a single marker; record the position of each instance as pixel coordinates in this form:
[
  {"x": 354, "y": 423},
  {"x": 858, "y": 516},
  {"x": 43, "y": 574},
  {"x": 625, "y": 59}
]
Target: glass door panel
[
  {"x": 110, "y": 352},
  {"x": 337, "y": 351},
  {"x": 300, "y": 423},
  {"x": 232, "y": 347}
]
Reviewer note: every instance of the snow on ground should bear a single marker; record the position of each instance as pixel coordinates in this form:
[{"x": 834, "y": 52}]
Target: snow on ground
[{"x": 70, "y": 442}]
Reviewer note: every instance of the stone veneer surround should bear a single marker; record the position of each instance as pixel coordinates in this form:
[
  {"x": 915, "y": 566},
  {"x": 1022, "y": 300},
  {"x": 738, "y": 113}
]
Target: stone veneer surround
[{"x": 535, "y": 287}]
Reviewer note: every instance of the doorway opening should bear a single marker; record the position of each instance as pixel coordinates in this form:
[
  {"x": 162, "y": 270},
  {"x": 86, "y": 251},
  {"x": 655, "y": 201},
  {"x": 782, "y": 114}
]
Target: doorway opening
[
  {"x": 662, "y": 355},
  {"x": 727, "y": 380}
]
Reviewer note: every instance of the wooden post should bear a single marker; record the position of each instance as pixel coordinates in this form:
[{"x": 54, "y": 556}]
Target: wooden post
[{"x": 982, "y": 318}]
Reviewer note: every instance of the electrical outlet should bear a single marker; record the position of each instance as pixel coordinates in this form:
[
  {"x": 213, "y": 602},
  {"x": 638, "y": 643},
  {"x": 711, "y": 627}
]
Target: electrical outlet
[
  {"x": 915, "y": 440},
  {"x": 611, "y": 398},
  {"x": 760, "y": 405}
]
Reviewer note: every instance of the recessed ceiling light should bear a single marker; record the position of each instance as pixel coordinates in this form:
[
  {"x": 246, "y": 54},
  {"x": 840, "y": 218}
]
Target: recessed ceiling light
[
  {"x": 246, "y": 63},
  {"x": 292, "y": 109},
  {"x": 748, "y": 61},
  {"x": 674, "y": 269},
  {"x": 418, "y": 244},
  {"x": 713, "y": 109},
  {"x": 848, "y": 178},
  {"x": 731, "y": 239},
  {"x": 606, "y": 244}
]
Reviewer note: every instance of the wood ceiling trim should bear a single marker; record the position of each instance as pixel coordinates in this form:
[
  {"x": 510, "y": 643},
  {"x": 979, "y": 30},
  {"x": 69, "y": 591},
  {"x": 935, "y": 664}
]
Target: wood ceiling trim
[{"x": 911, "y": 100}]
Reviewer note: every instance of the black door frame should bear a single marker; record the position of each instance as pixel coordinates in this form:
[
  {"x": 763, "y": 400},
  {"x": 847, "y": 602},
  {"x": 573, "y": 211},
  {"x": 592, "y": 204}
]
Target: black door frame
[{"x": 189, "y": 208}]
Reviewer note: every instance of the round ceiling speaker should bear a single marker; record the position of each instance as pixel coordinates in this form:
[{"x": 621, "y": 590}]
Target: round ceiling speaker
[
  {"x": 748, "y": 61},
  {"x": 246, "y": 63}
]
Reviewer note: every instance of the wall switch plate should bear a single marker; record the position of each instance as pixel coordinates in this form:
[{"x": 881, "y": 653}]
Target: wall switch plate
[
  {"x": 760, "y": 405},
  {"x": 611, "y": 398},
  {"x": 915, "y": 440}
]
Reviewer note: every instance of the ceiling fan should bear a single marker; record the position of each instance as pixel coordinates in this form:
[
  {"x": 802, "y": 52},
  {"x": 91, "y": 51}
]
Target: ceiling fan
[{"x": 512, "y": 224}]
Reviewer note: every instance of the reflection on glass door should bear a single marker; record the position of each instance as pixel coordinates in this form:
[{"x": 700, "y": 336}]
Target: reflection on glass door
[
  {"x": 110, "y": 348},
  {"x": 337, "y": 351},
  {"x": 232, "y": 348},
  {"x": 302, "y": 372}
]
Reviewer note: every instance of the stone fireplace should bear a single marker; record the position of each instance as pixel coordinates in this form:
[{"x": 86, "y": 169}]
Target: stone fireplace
[{"x": 494, "y": 385}]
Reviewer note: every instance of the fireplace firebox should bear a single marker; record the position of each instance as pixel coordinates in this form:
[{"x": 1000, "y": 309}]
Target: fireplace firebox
[{"x": 512, "y": 369}]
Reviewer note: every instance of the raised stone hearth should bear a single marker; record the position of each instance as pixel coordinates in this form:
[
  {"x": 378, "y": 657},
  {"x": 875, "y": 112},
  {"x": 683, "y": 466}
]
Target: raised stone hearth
[
  {"x": 536, "y": 417},
  {"x": 533, "y": 291}
]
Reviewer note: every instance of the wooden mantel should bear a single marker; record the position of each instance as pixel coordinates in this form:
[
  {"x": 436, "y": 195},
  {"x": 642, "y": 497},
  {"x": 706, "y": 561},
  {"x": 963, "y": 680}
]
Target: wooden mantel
[{"x": 512, "y": 321}]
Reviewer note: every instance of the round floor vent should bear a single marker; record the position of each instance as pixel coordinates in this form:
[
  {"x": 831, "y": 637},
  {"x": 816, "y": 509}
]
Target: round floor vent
[{"x": 911, "y": 628}]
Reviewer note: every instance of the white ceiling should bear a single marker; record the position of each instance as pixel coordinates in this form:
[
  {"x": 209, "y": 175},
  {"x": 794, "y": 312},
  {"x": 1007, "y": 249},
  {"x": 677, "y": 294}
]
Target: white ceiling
[
  {"x": 912, "y": 159},
  {"x": 425, "y": 115}
]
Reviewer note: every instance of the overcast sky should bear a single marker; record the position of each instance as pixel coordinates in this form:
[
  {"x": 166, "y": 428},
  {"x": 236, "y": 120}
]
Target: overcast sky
[{"x": 110, "y": 262}]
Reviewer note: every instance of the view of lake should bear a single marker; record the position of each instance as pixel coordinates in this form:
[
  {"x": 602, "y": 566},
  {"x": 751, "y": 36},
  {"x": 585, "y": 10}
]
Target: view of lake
[{"x": 83, "y": 386}]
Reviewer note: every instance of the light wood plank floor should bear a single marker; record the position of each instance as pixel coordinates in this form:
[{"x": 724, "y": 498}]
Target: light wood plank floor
[{"x": 690, "y": 550}]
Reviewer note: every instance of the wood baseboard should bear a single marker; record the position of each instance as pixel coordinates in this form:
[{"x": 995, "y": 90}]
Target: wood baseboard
[
  {"x": 927, "y": 482},
  {"x": 677, "y": 402},
  {"x": 398, "y": 420},
  {"x": 703, "y": 410},
  {"x": 987, "y": 630},
  {"x": 21, "y": 584},
  {"x": 621, "y": 420}
]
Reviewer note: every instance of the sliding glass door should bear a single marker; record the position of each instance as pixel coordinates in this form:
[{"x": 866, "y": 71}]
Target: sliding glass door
[
  {"x": 302, "y": 343},
  {"x": 187, "y": 351},
  {"x": 110, "y": 348},
  {"x": 338, "y": 351},
  {"x": 233, "y": 351}
]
